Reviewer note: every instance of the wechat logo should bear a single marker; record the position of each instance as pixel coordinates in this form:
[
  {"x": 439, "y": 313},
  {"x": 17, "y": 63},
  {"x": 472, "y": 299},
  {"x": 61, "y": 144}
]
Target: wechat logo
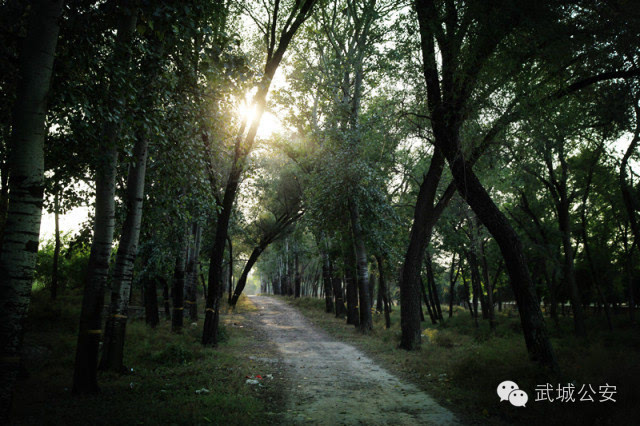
[{"x": 509, "y": 391}]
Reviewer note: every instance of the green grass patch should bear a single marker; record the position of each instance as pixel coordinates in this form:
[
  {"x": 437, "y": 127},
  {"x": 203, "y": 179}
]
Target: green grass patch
[{"x": 165, "y": 371}]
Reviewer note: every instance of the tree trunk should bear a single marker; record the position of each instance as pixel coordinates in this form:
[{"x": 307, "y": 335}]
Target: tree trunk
[
  {"x": 431, "y": 282},
  {"x": 427, "y": 302},
  {"x": 382, "y": 288},
  {"x": 336, "y": 285},
  {"x": 365, "y": 320},
  {"x": 242, "y": 281},
  {"x": 326, "y": 281},
  {"x": 165, "y": 297},
  {"x": 353, "y": 316},
  {"x": 177, "y": 289},
  {"x": 4, "y": 195},
  {"x": 379, "y": 295},
  {"x": 113, "y": 346},
  {"x": 569, "y": 271},
  {"x": 452, "y": 282},
  {"x": 533, "y": 326},
  {"x": 447, "y": 119},
  {"x": 26, "y": 186},
  {"x": 151, "y": 315},
  {"x": 192, "y": 273},
  {"x": 240, "y": 153},
  {"x": 84, "y": 377},
  {"x": 409, "y": 278},
  {"x": 230, "y": 270},
  {"x": 485, "y": 274},
  {"x": 631, "y": 209},
  {"x": 56, "y": 249},
  {"x": 296, "y": 276}
]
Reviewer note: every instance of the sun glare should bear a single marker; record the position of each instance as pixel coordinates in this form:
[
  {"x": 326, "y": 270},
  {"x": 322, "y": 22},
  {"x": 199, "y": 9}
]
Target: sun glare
[{"x": 269, "y": 124}]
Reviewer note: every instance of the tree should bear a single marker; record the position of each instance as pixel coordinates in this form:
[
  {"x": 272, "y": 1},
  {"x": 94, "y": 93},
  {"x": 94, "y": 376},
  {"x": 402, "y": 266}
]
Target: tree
[
  {"x": 26, "y": 184},
  {"x": 448, "y": 106},
  {"x": 276, "y": 47},
  {"x": 85, "y": 371}
]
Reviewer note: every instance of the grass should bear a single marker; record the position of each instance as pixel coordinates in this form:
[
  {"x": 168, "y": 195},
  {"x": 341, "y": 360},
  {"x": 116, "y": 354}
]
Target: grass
[
  {"x": 461, "y": 365},
  {"x": 166, "y": 369}
]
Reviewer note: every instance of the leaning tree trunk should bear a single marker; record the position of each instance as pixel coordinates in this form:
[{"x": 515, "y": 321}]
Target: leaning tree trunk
[
  {"x": 84, "y": 375},
  {"x": 470, "y": 188},
  {"x": 447, "y": 119},
  {"x": 242, "y": 148},
  {"x": 418, "y": 238},
  {"x": 115, "y": 329},
  {"x": 242, "y": 281},
  {"x": 26, "y": 186}
]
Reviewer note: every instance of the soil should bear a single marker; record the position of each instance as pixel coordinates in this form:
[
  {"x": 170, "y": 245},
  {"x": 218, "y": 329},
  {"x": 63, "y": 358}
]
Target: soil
[{"x": 333, "y": 383}]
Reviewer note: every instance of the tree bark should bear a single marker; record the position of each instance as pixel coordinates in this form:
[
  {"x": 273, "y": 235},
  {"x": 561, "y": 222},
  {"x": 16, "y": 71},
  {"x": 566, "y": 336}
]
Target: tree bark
[
  {"x": 385, "y": 291},
  {"x": 569, "y": 269},
  {"x": 326, "y": 281},
  {"x": 336, "y": 285},
  {"x": 230, "y": 270},
  {"x": 423, "y": 220},
  {"x": 629, "y": 204},
  {"x": 56, "y": 248},
  {"x": 452, "y": 282},
  {"x": 115, "y": 329},
  {"x": 177, "y": 288},
  {"x": 427, "y": 302},
  {"x": 192, "y": 273},
  {"x": 165, "y": 297},
  {"x": 296, "y": 275},
  {"x": 242, "y": 281},
  {"x": 485, "y": 275},
  {"x": 353, "y": 317},
  {"x": 84, "y": 377},
  {"x": 151, "y": 315},
  {"x": 365, "y": 320},
  {"x": 26, "y": 186},
  {"x": 431, "y": 281}
]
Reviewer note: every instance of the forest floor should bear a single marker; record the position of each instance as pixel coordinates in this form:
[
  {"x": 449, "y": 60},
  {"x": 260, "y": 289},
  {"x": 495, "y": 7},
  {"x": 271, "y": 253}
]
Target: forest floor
[
  {"x": 333, "y": 383},
  {"x": 317, "y": 369},
  {"x": 461, "y": 365},
  {"x": 172, "y": 378}
]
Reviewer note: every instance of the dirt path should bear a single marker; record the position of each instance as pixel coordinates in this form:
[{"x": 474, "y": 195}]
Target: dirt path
[{"x": 333, "y": 383}]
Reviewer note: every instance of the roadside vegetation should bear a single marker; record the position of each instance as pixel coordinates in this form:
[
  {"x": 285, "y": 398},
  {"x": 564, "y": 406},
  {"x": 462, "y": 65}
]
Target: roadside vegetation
[
  {"x": 461, "y": 365},
  {"x": 171, "y": 378}
]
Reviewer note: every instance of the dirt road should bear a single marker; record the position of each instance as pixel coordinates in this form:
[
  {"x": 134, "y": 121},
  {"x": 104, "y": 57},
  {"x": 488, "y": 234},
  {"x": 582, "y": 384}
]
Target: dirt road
[{"x": 333, "y": 383}]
